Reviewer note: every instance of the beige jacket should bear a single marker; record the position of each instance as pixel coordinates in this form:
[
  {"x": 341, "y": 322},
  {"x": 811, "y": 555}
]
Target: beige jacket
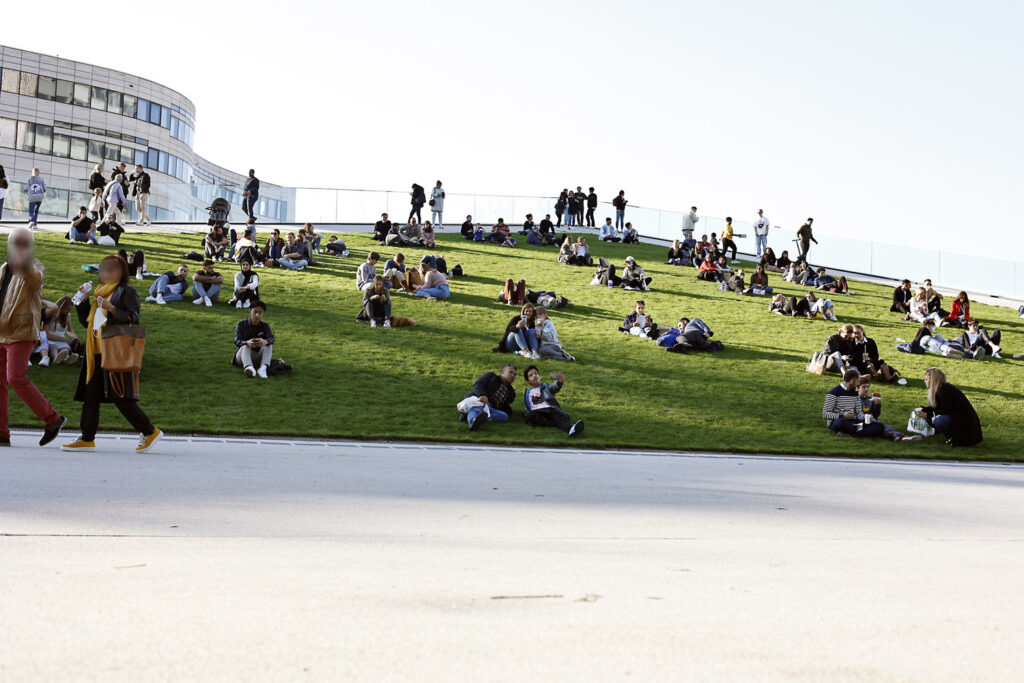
[{"x": 22, "y": 309}]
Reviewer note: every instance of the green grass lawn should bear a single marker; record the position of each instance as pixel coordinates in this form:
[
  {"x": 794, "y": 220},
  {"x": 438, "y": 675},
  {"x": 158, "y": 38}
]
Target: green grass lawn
[{"x": 351, "y": 381}]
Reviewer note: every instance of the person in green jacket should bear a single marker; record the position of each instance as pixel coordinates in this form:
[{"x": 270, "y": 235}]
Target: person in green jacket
[{"x": 804, "y": 236}]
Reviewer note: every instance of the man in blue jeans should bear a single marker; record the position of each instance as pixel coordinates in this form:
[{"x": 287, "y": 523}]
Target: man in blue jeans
[
  {"x": 841, "y": 407},
  {"x": 206, "y": 285},
  {"x": 169, "y": 287},
  {"x": 496, "y": 393}
]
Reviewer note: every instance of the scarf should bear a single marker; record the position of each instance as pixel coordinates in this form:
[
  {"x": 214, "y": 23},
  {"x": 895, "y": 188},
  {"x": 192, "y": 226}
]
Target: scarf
[{"x": 94, "y": 342}]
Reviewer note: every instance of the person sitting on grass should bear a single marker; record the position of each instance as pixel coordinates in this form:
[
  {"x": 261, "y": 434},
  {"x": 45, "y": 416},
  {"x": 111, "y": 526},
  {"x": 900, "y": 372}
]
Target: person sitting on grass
[
  {"x": 520, "y": 336},
  {"x": 976, "y": 339},
  {"x": 567, "y": 252},
  {"x": 735, "y": 283},
  {"x": 273, "y": 248},
  {"x": 608, "y": 232},
  {"x": 949, "y": 411},
  {"x": 335, "y": 246},
  {"x": 759, "y": 282},
  {"x": 769, "y": 260},
  {"x": 634, "y": 277},
  {"x": 311, "y": 237},
  {"x": 306, "y": 250},
  {"x": 934, "y": 298},
  {"x": 677, "y": 256},
  {"x": 581, "y": 250},
  {"x": 871, "y": 411},
  {"x": 842, "y": 406},
  {"x": 367, "y": 271},
  {"x": 918, "y": 309},
  {"x": 381, "y": 229},
  {"x": 247, "y": 287},
  {"x": 500, "y": 231},
  {"x": 60, "y": 336},
  {"x": 215, "y": 243},
  {"x": 799, "y": 273},
  {"x": 169, "y": 287},
  {"x": 435, "y": 284},
  {"x": 866, "y": 359},
  {"x": 542, "y": 408},
  {"x": 254, "y": 342},
  {"x": 629, "y": 235},
  {"x": 394, "y": 271},
  {"x": 428, "y": 235},
  {"x": 840, "y": 349},
  {"x": 376, "y": 304},
  {"x": 813, "y": 307},
  {"x": 206, "y": 285},
  {"x": 638, "y": 323},
  {"x": 293, "y": 256},
  {"x": 533, "y": 236},
  {"x": 548, "y": 345},
  {"x": 509, "y": 242},
  {"x": 468, "y": 229},
  {"x": 695, "y": 336},
  {"x": 490, "y": 399},
  {"x": 83, "y": 228},
  {"x": 826, "y": 282},
  {"x": 959, "y": 312},
  {"x": 901, "y": 297},
  {"x": 709, "y": 271}
]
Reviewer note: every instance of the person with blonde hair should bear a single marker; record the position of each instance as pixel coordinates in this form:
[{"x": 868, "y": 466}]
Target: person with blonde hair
[
  {"x": 949, "y": 411},
  {"x": 919, "y": 308}
]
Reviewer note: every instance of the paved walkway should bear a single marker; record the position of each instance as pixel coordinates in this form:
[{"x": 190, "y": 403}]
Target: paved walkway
[{"x": 235, "y": 559}]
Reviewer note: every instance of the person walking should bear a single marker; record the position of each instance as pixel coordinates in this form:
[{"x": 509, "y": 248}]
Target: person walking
[
  {"x": 804, "y": 238},
  {"x": 21, "y": 286},
  {"x": 35, "y": 188},
  {"x": 419, "y": 198},
  {"x": 560, "y": 206},
  {"x": 116, "y": 201},
  {"x": 115, "y": 302},
  {"x": 727, "y": 241},
  {"x": 250, "y": 194},
  {"x": 620, "y": 210},
  {"x": 3, "y": 190},
  {"x": 761, "y": 225},
  {"x": 140, "y": 190},
  {"x": 690, "y": 222},
  {"x": 591, "y": 207},
  {"x": 437, "y": 206}
]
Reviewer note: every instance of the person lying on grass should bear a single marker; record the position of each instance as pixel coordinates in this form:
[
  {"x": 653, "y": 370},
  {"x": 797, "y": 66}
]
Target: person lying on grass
[
  {"x": 828, "y": 283},
  {"x": 696, "y": 336},
  {"x": 490, "y": 398},
  {"x": 813, "y": 307},
  {"x": 542, "y": 408},
  {"x": 928, "y": 340}
]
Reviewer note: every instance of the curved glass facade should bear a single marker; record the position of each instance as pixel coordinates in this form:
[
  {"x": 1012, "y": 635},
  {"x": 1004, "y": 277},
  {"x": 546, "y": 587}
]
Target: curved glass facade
[{"x": 65, "y": 117}]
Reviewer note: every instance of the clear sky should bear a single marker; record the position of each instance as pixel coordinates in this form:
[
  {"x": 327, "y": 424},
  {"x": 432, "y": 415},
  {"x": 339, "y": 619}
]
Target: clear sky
[{"x": 895, "y": 120}]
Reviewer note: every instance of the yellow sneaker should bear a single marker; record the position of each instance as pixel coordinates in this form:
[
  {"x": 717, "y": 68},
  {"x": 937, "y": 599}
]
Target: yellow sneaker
[
  {"x": 146, "y": 442},
  {"x": 79, "y": 445}
]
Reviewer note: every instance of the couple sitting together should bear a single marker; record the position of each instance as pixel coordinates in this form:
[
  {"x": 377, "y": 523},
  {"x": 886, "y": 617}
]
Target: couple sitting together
[
  {"x": 532, "y": 334},
  {"x": 493, "y": 394},
  {"x": 688, "y": 335},
  {"x": 629, "y": 234},
  {"x": 850, "y": 347},
  {"x": 634, "y": 277},
  {"x": 575, "y": 253}
]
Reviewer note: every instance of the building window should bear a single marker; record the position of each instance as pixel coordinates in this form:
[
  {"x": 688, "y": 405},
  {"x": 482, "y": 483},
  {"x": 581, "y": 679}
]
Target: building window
[
  {"x": 128, "y": 104},
  {"x": 81, "y": 96},
  {"x": 142, "y": 112},
  {"x": 112, "y": 152},
  {"x": 8, "y": 133},
  {"x": 99, "y": 98},
  {"x": 79, "y": 149},
  {"x": 65, "y": 91},
  {"x": 140, "y": 157},
  {"x": 127, "y": 155},
  {"x": 165, "y": 117},
  {"x": 153, "y": 161},
  {"x": 26, "y": 136},
  {"x": 95, "y": 151},
  {"x": 10, "y": 80},
  {"x": 47, "y": 88},
  {"x": 114, "y": 101},
  {"x": 44, "y": 139},
  {"x": 154, "y": 113},
  {"x": 29, "y": 83},
  {"x": 61, "y": 145}
]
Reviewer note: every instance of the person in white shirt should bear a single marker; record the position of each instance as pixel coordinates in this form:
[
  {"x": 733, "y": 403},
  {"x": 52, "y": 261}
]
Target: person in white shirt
[
  {"x": 761, "y": 225},
  {"x": 690, "y": 222},
  {"x": 437, "y": 205}
]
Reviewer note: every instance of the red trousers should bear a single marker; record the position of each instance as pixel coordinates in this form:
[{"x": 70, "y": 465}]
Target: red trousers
[{"x": 14, "y": 372}]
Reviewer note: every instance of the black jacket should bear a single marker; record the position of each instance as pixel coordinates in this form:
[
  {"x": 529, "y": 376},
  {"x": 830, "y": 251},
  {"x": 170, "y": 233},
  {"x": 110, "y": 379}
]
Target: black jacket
[
  {"x": 509, "y": 329},
  {"x": 900, "y": 296},
  {"x": 246, "y": 331},
  {"x": 966, "y": 429},
  {"x": 97, "y": 182},
  {"x": 419, "y": 196},
  {"x": 835, "y": 343},
  {"x": 487, "y": 385},
  {"x": 546, "y": 226},
  {"x": 252, "y": 186},
  {"x": 142, "y": 182},
  {"x": 127, "y": 304},
  {"x": 592, "y": 201}
]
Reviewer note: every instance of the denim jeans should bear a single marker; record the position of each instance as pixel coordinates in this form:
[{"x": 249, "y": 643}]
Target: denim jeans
[
  {"x": 159, "y": 287},
  {"x": 293, "y": 265},
  {"x": 79, "y": 236},
  {"x": 762, "y": 243},
  {"x": 33, "y": 211},
  {"x": 496, "y": 415},
  {"x": 943, "y": 424},
  {"x": 841, "y": 424},
  {"x": 620, "y": 218},
  {"x": 439, "y": 292},
  {"x": 531, "y": 239},
  {"x": 521, "y": 340},
  {"x": 199, "y": 290}
]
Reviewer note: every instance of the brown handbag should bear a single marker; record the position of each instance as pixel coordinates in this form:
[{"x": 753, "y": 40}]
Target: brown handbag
[{"x": 123, "y": 346}]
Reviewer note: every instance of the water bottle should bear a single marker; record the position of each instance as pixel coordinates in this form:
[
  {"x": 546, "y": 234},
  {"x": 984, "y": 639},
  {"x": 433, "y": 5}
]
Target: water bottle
[{"x": 82, "y": 292}]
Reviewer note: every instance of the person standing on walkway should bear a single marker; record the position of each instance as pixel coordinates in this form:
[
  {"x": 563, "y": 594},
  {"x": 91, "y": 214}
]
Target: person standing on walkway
[
  {"x": 761, "y": 225},
  {"x": 97, "y": 181},
  {"x": 21, "y": 286},
  {"x": 572, "y": 212},
  {"x": 250, "y": 194},
  {"x": 560, "y": 206},
  {"x": 140, "y": 190},
  {"x": 114, "y": 302},
  {"x": 581, "y": 205},
  {"x": 3, "y": 190},
  {"x": 437, "y": 206},
  {"x": 620, "y": 210},
  {"x": 690, "y": 223},
  {"x": 419, "y": 198},
  {"x": 591, "y": 207},
  {"x": 804, "y": 237},
  {"x": 35, "y": 188}
]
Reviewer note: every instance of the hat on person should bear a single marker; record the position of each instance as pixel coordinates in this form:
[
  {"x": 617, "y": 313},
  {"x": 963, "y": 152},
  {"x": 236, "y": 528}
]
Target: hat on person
[{"x": 630, "y": 259}]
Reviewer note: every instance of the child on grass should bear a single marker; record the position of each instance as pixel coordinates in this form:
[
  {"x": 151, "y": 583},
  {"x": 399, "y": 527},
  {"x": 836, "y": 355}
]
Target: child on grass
[{"x": 542, "y": 408}]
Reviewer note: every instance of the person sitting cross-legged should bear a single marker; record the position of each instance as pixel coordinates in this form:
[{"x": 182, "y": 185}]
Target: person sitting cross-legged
[
  {"x": 629, "y": 235},
  {"x": 255, "y": 342},
  {"x": 634, "y": 277},
  {"x": 169, "y": 287},
  {"x": 608, "y": 232},
  {"x": 871, "y": 412},
  {"x": 294, "y": 255},
  {"x": 520, "y": 334},
  {"x": 83, "y": 228},
  {"x": 206, "y": 285},
  {"x": 490, "y": 398},
  {"x": 542, "y": 408},
  {"x": 435, "y": 284},
  {"x": 215, "y": 243},
  {"x": 639, "y": 323},
  {"x": 247, "y": 287},
  {"x": 842, "y": 406},
  {"x": 336, "y": 246}
]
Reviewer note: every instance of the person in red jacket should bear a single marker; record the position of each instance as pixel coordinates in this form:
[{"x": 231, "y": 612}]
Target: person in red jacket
[
  {"x": 959, "y": 312},
  {"x": 709, "y": 271}
]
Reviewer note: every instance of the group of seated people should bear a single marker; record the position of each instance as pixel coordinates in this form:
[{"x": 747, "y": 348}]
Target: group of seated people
[
  {"x": 850, "y": 347},
  {"x": 688, "y": 334},
  {"x": 429, "y": 281},
  {"x": 412, "y": 234},
  {"x": 516, "y": 294},
  {"x": 492, "y": 396},
  {"x": 634, "y": 278},
  {"x": 538, "y": 234},
  {"x": 575, "y": 253},
  {"x": 736, "y": 282},
  {"x": 973, "y": 344},
  {"x": 532, "y": 334},
  {"x": 58, "y": 344},
  {"x": 207, "y": 284},
  {"x": 84, "y": 229},
  {"x": 627, "y": 236},
  {"x": 925, "y": 303},
  {"x": 809, "y": 306},
  {"x": 296, "y": 251}
]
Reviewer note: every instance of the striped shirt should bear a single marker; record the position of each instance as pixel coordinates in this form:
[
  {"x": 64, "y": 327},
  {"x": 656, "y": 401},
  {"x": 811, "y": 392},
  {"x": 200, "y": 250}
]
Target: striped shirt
[{"x": 838, "y": 401}]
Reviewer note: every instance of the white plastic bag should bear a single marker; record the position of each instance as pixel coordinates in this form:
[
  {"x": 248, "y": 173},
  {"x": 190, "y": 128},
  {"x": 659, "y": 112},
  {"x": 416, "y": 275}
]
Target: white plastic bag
[{"x": 919, "y": 425}]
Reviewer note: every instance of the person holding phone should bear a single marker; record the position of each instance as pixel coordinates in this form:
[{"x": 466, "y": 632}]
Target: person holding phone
[
  {"x": 521, "y": 334},
  {"x": 254, "y": 342},
  {"x": 542, "y": 408}
]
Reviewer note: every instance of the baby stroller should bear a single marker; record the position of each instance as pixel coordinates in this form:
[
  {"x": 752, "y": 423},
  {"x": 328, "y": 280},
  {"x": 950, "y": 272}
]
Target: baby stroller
[{"x": 219, "y": 210}]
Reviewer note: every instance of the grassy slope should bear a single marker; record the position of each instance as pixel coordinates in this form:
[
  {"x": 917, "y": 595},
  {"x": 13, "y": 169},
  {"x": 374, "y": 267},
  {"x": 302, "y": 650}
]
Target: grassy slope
[{"x": 354, "y": 381}]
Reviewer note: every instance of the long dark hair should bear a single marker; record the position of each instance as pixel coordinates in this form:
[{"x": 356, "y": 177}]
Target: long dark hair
[{"x": 121, "y": 263}]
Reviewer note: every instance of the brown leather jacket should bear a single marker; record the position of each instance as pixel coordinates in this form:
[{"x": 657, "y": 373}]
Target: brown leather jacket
[{"x": 22, "y": 309}]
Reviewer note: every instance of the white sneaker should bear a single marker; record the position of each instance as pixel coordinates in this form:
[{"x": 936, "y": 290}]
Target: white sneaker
[
  {"x": 45, "y": 362},
  {"x": 387, "y": 323},
  {"x": 247, "y": 304},
  {"x": 138, "y": 276},
  {"x": 151, "y": 299},
  {"x": 249, "y": 371},
  {"x": 208, "y": 301},
  {"x": 238, "y": 304},
  {"x": 262, "y": 372},
  {"x": 160, "y": 299},
  {"x": 373, "y": 323},
  {"x": 995, "y": 354},
  {"x": 197, "y": 301},
  {"x": 72, "y": 240}
]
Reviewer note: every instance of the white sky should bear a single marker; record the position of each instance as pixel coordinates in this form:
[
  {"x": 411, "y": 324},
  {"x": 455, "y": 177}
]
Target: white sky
[{"x": 897, "y": 120}]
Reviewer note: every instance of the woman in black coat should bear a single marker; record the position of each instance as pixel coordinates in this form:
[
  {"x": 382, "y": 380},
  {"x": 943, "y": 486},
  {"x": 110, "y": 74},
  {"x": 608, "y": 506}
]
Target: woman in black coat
[
  {"x": 113, "y": 301},
  {"x": 949, "y": 411},
  {"x": 419, "y": 198},
  {"x": 520, "y": 334}
]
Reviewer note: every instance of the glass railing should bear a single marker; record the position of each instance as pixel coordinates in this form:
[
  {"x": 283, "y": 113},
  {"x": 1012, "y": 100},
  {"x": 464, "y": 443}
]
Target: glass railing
[{"x": 187, "y": 202}]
